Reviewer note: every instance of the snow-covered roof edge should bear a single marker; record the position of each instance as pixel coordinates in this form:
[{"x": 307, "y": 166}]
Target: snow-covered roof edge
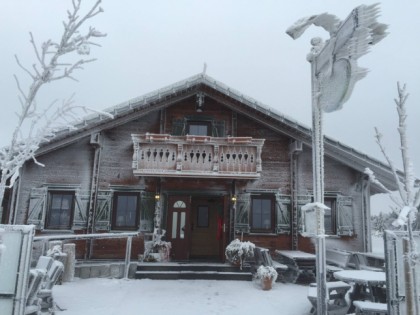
[{"x": 361, "y": 159}]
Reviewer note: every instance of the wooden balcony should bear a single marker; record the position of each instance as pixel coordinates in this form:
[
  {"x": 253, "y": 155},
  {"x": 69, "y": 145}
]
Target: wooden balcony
[{"x": 196, "y": 156}]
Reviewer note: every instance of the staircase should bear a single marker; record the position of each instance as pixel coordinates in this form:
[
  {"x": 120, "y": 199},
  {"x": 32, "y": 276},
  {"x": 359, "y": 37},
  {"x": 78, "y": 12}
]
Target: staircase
[{"x": 192, "y": 271}]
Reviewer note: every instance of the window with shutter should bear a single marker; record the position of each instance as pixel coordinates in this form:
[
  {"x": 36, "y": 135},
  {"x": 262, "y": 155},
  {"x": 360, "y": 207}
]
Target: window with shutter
[
  {"x": 218, "y": 128},
  {"x": 103, "y": 210},
  {"x": 198, "y": 126},
  {"x": 345, "y": 215},
  {"x": 60, "y": 210},
  {"x": 178, "y": 127},
  {"x": 243, "y": 205},
  {"x": 330, "y": 215},
  {"x": 262, "y": 214},
  {"x": 301, "y": 201},
  {"x": 125, "y": 211},
  {"x": 37, "y": 207},
  {"x": 283, "y": 214},
  {"x": 81, "y": 208}
]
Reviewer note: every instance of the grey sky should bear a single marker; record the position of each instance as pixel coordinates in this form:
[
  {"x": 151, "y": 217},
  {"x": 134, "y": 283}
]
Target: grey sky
[{"x": 151, "y": 44}]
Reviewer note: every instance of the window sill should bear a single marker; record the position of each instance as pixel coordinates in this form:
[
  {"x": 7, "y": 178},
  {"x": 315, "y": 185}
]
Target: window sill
[
  {"x": 332, "y": 236},
  {"x": 263, "y": 234},
  {"x": 57, "y": 231}
]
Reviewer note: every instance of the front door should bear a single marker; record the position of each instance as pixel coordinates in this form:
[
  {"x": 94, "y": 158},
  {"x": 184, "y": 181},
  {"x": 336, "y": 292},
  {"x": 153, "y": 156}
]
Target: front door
[
  {"x": 179, "y": 226},
  {"x": 206, "y": 227}
]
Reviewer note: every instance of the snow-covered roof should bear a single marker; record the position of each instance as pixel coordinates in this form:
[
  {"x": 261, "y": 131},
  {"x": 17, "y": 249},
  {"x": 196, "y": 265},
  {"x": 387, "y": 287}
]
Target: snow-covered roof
[{"x": 168, "y": 95}]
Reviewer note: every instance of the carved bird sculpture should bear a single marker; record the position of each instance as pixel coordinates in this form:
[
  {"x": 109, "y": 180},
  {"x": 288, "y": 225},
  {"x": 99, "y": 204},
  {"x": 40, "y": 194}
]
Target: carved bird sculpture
[{"x": 335, "y": 61}]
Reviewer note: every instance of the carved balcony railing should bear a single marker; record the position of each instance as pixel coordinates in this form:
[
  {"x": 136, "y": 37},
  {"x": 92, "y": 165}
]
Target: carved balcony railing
[{"x": 196, "y": 156}]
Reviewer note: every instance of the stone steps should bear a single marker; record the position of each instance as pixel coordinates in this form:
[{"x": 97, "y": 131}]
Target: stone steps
[{"x": 192, "y": 271}]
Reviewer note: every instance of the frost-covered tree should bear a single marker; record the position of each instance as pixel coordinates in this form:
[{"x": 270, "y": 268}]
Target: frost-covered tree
[
  {"x": 383, "y": 221},
  {"x": 36, "y": 124},
  {"x": 407, "y": 200}
]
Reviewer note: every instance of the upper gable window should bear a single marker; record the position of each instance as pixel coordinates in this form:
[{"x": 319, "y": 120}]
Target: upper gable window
[{"x": 198, "y": 128}]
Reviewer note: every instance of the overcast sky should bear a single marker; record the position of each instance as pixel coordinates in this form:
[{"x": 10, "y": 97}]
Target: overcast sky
[{"x": 151, "y": 44}]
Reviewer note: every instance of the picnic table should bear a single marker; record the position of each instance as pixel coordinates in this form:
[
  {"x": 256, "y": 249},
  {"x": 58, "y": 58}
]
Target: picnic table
[
  {"x": 367, "y": 285},
  {"x": 337, "y": 303},
  {"x": 300, "y": 264}
]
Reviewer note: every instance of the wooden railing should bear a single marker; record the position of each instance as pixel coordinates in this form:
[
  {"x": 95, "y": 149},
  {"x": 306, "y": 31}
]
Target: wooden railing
[{"x": 196, "y": 156}]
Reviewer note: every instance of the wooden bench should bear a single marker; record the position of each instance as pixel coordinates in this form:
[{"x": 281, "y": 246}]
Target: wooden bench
[
  {"x": 337, "y": 257},
  {"x": 337, "y": 260},
  {"x": 372, "y": 308},
  {"x": 337, "y": 303}
]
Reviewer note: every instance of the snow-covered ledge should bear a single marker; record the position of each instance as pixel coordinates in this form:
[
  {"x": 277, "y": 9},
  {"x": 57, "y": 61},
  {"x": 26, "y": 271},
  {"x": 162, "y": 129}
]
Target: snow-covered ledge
[{"x": 196, "y": 156}]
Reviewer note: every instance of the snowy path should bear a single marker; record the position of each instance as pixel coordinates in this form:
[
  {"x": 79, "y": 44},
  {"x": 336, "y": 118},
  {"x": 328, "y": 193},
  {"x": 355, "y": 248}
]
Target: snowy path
[{"x": 186, "y": 297}]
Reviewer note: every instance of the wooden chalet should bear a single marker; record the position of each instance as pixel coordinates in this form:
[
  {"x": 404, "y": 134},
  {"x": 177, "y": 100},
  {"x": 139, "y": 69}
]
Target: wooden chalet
[{"x": 217, "y": 164}]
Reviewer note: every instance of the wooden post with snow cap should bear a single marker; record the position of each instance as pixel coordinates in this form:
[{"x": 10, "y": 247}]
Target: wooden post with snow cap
[
  {"x": 70, "y": 250},
  {"x": 334, "y": 72}
]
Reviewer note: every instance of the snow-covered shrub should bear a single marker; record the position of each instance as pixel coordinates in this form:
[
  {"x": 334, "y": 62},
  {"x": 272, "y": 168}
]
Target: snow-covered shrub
[
  {"x": 266, "y": 272},
  {"x": 157, "y": 246},
  {"x": 236, "y": 252}
]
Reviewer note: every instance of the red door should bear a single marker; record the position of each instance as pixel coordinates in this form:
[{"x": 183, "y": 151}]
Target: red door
[{"x": 179, "y": 226}]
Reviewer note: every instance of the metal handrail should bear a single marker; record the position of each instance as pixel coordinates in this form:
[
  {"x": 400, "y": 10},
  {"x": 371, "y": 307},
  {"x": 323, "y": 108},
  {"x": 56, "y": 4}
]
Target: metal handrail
[{"x": 128, "y": 235}]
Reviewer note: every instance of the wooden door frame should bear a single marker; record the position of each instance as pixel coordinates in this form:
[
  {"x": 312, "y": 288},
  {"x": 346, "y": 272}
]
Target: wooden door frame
[
  {"x": 187, "y": 242},
  {"x": 224, "y": 197}
]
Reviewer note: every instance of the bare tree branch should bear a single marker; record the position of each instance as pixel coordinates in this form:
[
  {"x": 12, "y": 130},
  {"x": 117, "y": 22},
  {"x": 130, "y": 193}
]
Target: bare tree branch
[{"x": 48, "y": 68}]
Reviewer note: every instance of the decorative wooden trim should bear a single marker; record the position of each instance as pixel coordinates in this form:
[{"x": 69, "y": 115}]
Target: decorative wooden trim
[{"x": 196, "y": 156}]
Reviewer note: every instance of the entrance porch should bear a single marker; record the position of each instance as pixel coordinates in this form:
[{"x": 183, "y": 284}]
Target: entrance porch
[{"x": 196, "y": 227}]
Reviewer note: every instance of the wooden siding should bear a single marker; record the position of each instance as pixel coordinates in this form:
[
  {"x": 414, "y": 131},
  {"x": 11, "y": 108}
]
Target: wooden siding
[{"x": 72, "y": 165}]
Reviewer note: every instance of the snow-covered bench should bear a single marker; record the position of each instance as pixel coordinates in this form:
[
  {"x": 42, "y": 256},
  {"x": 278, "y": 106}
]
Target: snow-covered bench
[
  {"x": 366, "y": 307},
  {"x": 53, "y": 275},
  {"x": 337, "y": 260},
  {"x": 337, "y": 257},
  {"x": 33, "y": 302},
  {"x": 360, "y": 262},
  {"x": 337, "y": 304},
  {"x": 301, "y": 265},
  {"x": 41, "y": 282}
]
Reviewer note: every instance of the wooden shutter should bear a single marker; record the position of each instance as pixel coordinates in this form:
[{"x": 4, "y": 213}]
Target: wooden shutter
[
  {"x": 301, "y": 201},
  {"x": 283, "y": 208},
  {"x": 218, "y": 128},
  {"x": 81, "y": 208},
  {"x": 103, "y": 210},
  {"x": 243, "y": 209},
  {"x": 147, "y": 211},
  {"x": 345, "y": 215},
  {"x": 178, "y": 127},
  {"x": 37, "y": 207}
]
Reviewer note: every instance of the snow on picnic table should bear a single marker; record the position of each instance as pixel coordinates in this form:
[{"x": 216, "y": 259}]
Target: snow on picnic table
[{"x": 186, "y": 297}]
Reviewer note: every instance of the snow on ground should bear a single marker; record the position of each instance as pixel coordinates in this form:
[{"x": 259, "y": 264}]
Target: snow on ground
[{"x": 184, "y": 297}]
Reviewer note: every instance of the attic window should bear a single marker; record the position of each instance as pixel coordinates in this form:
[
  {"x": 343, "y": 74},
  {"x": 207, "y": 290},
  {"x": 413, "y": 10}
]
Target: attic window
[{"x": 198, "y": 128}]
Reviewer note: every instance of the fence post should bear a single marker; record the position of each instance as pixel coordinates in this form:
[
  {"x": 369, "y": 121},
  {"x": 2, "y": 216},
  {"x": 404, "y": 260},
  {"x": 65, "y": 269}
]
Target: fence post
[{"x": 70, "y": 250}]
